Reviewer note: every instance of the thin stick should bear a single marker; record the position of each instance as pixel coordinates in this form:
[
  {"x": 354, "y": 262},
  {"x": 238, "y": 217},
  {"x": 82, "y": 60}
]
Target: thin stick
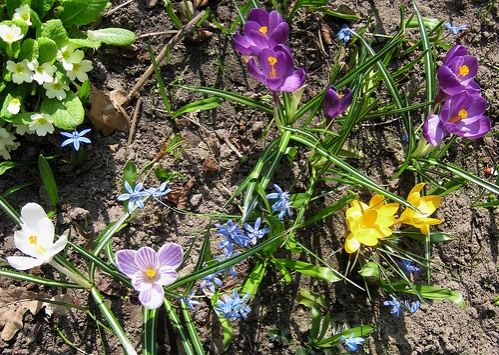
[
  {"x": 185, "y": 30},
  {"x": 134, "y": 120}
]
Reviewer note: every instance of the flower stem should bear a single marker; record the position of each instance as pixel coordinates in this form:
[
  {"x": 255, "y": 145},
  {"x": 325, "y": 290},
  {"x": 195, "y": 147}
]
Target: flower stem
[{"x": 72, "y": 275}]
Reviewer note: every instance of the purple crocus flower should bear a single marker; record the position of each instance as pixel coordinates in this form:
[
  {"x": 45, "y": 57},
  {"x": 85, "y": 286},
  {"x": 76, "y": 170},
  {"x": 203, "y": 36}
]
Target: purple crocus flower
[
  {"x": 262, "y": 30},
  {"x": 335, "y": 104},
  {"x": 461, "y": 115},
  {"x": 277, "y": 70},
  {"x": 457, "y": 74},
  {"x": 149, "y": 271}
]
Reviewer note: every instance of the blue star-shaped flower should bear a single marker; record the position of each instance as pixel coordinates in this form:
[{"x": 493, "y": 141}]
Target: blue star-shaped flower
[
  {"x": 190, "y": 303},
  {"x": 455, "y": 29},
  {"x": 352, "y": 343},
  {"x": 210, "y": 281},
  {"x": 345, "y": 34},
  {"x": 158, "y": 192},
  {"x": 76, "y": 138},
  {"x": 233, "y": 234},
  {"x": 282, "y": 205},
  {"x": 255, "y": 233},
  {"x": 233, "y": 308},
  {"x": 134, "y": 196},
  {"x": 407, "y": 267},
  {"x": 395, "y": 303},
  {"x": 412, "y": 307}
]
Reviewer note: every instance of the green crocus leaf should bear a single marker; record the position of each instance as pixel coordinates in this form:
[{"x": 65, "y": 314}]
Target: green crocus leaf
[
  {"x": 77, "y": 12},
  {"x": 67, "y": 114},
  {"x": 315, "y": 271},
  {"x": 55, "y": 30},
  {"x": 112, "y": 36}
]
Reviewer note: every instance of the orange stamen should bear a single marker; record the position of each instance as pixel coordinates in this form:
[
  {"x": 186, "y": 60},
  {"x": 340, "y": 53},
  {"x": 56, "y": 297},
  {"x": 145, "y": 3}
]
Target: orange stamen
[
  {"x": 460, "y": 115},
  {"x": 272, "y": 61},
  {"x": 150, "y": 273},
  {"x": 263, "y": 30},
  {"x": 463, "y": 70}
]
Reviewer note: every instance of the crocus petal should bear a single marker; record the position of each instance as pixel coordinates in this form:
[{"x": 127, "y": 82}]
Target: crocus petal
[
  {"x": 23, "y": 262},
  {"x": 152, "y": 298},
  {"x": 294, "y": 82},
  {"x": 167, "y": 276},
  {"x": 456, "y": 51},
  {"x": 146, "y": 258},
  {"x": 351, "y": 244},
  {"x": 170, "y": 255},
  {"x": 31, "y": 214},
  {"x": 58, "y": 246},
  {"x": 433, "y": 130},
  {"x": 22, "y": 242},
  {"x": 125, "y": 260},
  {"x": 256, "y": 71},
  {"x": 45, "y": 236}
]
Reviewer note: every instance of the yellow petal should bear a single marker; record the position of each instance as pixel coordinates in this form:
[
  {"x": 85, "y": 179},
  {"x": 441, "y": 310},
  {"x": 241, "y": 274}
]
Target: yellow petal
[
  {"x": 368, "y": 236},
  {"x": 351, "y": 244}
]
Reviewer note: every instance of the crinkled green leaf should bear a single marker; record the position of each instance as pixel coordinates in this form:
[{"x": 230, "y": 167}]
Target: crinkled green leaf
[
  {"x": 55, "y": 30},
  {"x": 112, "y": 36},
  {"x": 310, "y": 299},
  {"x": 29, "y": 50},
  {"x": 47, "y": 50},
  {"x": 78, "y": 12},
  {"x": 82, "y": 42},
  {"x": 67, "y": 114}
]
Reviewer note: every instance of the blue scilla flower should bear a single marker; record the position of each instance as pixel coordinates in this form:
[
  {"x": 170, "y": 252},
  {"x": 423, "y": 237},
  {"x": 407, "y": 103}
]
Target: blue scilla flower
[
  {"x": 134, "y": 196},
  {"x": 282, "y": 205},
  {"x": 455, "y": 29},
  {"x": 395, "y": 303},
  {"x": 345, "y": 34},
  {"x": 76, "y": 138},
  {"x": 233, "y": 307},
  {"x": 190, "y": 302},
  {"x": 233, "y": 234},
  {"x": 232, "y": 269},
  {"x": 158, "y": 192},
  {"x": 210, "y": 281},
  {"x": 407, "y": 267},
  {"x": 352, "y": 343},
  {"x": 412, "y": 307},
  {"x": 255, "y": 233}
]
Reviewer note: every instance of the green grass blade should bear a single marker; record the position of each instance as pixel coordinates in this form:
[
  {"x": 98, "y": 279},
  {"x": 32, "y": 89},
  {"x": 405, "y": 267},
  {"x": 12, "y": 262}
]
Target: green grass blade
[
  {"x": 149, "y": 324},
  {"x": 162, "y": 90},
  {"x": 9, "y": 210},
  {"x": 233, "y": 97},
  {"x": 49, "y": 181},
  {"x": 178, "y": 326},
  {"x": 35, "y": 279},
  {"x": 191, "y": 329}
]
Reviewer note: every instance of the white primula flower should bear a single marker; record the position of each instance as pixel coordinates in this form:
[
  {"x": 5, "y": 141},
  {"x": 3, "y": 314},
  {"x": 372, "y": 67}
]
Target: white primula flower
[
  {"x": 43, "y": 73},
  {"x": 20, "y": 71},
  {"x": 10, "y": 34},
  {"x": 41, "y": 123},
  {"x": 56, "y": 89},
  {"x": 67, "y": 55},
  {"x": 80, "y": 70},
  {"x": 14, "y": 106},
  {"x": 6, "y": 143},
  {"x": 22, "y": 13},
  {"x": 22, "y": 129},
  {"x": 36, "y": 239}
]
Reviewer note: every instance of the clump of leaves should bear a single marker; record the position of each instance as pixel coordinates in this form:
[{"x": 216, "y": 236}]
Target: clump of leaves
[{"x": 44, "y": 73}]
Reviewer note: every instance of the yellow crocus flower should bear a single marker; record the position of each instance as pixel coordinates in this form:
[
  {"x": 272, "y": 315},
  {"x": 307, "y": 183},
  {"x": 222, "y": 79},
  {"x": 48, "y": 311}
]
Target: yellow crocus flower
[
  {"x": 368, "y": 223},
  {"x": 426, "y": 205}
]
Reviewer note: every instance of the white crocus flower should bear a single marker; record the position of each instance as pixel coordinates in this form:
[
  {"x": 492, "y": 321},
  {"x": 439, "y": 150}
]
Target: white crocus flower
[
  {"x": 20, "y": 71},
  {"x": 10, "y": 34},
  {"x": 43, "y": 73},
  {"x": 41, "y": 123},
  {"x": 80, "y": 70},
  {"x": 67, "y": 55},
  {"x": 22, "y": 14},
  {"x": 56, "y": 89},
  {"x": 36, "y": 239},
  {"x": 14, "y": 106}
]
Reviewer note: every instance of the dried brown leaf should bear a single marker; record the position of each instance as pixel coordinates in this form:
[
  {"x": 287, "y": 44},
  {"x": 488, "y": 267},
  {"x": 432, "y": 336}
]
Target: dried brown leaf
[
  {"x": 13, "y": 306},
  {"x": 180, "y": 195},
  {"x": 58, "y": 309},
  {"x": 107, "y": 114}
]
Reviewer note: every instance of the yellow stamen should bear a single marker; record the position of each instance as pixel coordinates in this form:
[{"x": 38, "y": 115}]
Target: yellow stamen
[
  {"x": 32, "y": 240},
  {"x": 463, "y": 70},
  {"x": 272, "y": 61},
  {"x": 460, "y": 115},
  {"x": 150, "y": 273},
  {"x": 263, "y": 30}
]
